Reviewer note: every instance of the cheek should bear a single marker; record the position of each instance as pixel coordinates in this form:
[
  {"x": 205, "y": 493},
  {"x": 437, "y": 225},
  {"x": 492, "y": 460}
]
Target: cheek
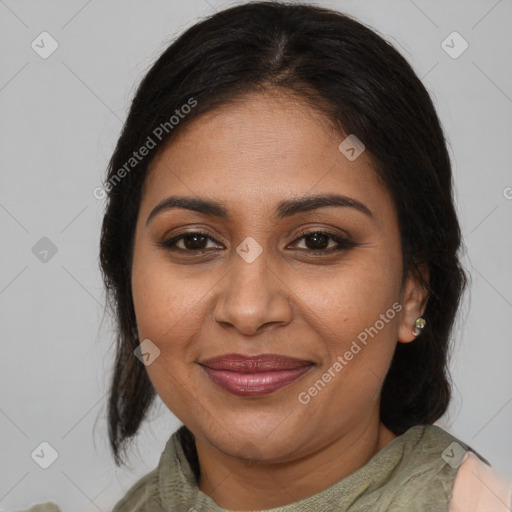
[
  {"x": 357, "y": 337},
  {"x": 165, "y": 310},
  {"x": 355, "y": 315},
  {"x": 346, "y": 301},
  {"x": 168, "y": 308},
  {"x": 163, "y": 301}
]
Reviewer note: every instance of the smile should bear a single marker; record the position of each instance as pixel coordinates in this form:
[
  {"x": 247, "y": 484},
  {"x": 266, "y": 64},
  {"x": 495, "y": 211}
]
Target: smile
[{"x": 254, "y": 384}]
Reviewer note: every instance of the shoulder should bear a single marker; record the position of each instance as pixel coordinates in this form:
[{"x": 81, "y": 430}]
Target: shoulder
[
  {"x": 478, "y": 488},
  {"x": 475, "y": 486},
  {"x": 147, "y": 493},
  {"x": 141, "y": 495},
  {"x": 427, "y": 460}
]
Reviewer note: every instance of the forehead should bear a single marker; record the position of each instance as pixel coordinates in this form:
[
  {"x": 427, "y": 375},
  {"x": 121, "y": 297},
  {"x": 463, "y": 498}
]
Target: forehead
[{"x": 258, "y": 150}]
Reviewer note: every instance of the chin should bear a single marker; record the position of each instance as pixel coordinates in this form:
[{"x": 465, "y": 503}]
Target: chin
[{"x": 254, "y": 444}]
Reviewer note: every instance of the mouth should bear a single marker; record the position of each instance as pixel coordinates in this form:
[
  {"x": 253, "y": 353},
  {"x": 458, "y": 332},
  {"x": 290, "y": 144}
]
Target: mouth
[{"x": 254, "y": 375}]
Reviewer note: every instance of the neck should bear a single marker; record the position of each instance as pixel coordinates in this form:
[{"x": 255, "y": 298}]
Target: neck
[{"x": 236, "y": 484}]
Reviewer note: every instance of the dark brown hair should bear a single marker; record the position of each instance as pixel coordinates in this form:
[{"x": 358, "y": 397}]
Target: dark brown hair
[{"x": 362, "y": 85}]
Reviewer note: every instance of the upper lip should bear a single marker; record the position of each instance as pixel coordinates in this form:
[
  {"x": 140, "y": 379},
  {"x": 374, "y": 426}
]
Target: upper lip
[{"x": 254, "y": 364}]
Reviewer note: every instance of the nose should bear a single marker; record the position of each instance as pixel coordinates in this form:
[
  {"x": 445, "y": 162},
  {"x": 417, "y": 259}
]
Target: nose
[{"x": 252, "y": 296}]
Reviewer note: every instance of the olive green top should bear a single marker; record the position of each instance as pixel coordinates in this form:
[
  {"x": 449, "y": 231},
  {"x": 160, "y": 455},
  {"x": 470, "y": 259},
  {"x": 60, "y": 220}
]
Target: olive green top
[{"x": 413, "y": 473}]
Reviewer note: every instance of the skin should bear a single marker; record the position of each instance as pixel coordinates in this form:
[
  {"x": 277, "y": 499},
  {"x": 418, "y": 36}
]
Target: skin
[{"x": 269, "y": 451}]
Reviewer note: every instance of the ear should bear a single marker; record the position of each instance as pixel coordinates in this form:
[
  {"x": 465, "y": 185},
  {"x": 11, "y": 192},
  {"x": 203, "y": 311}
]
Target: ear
[{"x": 414, "y": 302}]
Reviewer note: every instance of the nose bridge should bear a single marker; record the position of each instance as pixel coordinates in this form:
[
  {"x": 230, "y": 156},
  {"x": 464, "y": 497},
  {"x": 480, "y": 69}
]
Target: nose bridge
[
  {"x": 252, "y": 294},
  {"x": 251, "y": 279},
  {"x": 251, "y": 257}
]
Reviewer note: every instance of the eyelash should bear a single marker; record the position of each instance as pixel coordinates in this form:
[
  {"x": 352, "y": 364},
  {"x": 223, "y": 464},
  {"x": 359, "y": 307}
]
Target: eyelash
[{"x": 343, "y": 243}]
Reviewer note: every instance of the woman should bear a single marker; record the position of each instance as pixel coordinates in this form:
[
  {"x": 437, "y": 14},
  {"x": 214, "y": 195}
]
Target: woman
[{"x": 282, "y": 253}]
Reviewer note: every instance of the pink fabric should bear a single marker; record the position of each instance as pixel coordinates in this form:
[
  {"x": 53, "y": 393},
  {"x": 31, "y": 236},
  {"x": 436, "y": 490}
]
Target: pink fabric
[{"x": 478, "y": 488}]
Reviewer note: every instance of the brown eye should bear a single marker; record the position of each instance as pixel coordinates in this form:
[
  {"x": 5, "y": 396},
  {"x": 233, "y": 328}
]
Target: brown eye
[
  {"x": 192, "y": 241},
  {"x": 318, "y": 241}
]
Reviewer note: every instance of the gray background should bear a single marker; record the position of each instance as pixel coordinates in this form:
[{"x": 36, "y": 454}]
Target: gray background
[{"x": 61, "y": 117}]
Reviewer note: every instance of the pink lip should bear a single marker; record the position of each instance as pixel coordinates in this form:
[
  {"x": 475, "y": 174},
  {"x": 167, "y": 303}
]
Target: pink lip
[
  {"x": 254, "y": 375},
  {"x": 256, "y": 383}
]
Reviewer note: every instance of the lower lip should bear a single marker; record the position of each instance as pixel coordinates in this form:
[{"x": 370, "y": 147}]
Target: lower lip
[{"x": 254, "y": 384}]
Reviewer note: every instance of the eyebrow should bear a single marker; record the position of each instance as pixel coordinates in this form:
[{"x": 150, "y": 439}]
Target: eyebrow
[{"x": 284, "y": 209}]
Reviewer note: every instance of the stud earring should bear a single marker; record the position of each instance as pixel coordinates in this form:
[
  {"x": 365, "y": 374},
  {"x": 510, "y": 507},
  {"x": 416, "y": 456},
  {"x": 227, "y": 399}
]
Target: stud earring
[{"x": 419, "y": 324}]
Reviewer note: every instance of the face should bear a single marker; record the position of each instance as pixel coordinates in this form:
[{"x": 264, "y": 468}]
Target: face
[{"x": 271, "y": 275}]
